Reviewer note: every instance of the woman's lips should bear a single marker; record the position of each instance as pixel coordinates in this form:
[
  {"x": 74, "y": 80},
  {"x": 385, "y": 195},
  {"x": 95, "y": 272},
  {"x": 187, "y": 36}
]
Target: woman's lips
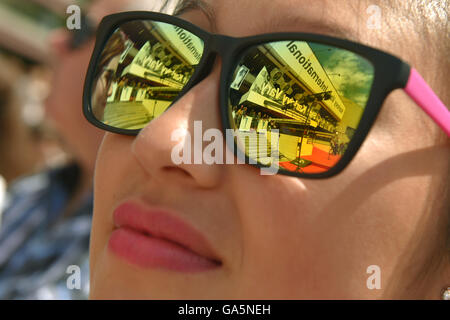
[{"x": 153, "y": 238}]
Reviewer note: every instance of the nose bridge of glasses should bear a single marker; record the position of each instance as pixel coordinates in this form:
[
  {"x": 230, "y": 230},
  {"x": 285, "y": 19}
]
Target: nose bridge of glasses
[
  {"x": 221, "y": 44},
  {"x": 217, "y": 45}
]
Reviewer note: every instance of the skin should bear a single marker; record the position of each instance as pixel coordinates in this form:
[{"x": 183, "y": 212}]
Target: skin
[
  {"x": 279, "y": 236},
  {"x": 63, "y": 104},
  {"x": 20, "y": 153}
]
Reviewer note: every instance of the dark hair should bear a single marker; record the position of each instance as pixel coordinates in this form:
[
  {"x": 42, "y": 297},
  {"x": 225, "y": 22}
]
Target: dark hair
[
  {"x": 9, "y": 73},
  {"x": 5, "y": 98},
  {"x": 113, "y": 48}
]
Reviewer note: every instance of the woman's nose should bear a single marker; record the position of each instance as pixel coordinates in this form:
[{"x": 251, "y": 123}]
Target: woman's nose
[{"x": 180, "y": 128}]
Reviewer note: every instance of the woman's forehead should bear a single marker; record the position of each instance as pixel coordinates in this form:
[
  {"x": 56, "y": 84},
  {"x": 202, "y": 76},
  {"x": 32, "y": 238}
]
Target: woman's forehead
[{"x": 246, "y": 17}]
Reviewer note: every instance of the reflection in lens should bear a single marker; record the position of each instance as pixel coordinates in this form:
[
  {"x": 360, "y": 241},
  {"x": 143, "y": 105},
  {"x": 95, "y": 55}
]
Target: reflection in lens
[
  {"x": 312, "y": 96},
  {"x": 141, "y": 71}
]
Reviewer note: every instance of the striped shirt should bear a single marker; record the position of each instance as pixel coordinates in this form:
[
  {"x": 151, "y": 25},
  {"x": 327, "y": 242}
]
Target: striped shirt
[{"x": 38, "y": 245}]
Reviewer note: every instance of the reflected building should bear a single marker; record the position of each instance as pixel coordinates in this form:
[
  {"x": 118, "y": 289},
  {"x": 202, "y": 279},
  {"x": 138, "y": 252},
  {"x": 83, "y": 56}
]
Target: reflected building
[
  {"x": 285, "y": 86},
  {"x": 290, "y": 90},
  {"x": 156, "y": 65}
]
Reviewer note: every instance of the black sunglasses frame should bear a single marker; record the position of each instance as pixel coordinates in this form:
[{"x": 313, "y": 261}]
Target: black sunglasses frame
[{"x": 390, "y": 73}]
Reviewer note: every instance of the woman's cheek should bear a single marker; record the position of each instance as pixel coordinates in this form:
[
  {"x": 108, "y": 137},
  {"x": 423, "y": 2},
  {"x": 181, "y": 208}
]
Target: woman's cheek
[{"x": 111, "y": 177}]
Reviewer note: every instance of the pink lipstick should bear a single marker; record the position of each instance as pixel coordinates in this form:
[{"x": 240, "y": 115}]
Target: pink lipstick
[{"x": 154, "y": 238}]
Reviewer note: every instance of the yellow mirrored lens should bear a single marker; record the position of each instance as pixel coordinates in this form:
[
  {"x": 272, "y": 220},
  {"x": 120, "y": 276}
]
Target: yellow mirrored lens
[
  {"x": 141, "y": 71},
  {"x": 297, "y": 104}
]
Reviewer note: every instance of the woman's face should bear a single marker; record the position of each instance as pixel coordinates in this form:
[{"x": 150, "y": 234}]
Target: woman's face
[
  {"x": 103, "y": 88},
  {"x": 260, "y": 236}
]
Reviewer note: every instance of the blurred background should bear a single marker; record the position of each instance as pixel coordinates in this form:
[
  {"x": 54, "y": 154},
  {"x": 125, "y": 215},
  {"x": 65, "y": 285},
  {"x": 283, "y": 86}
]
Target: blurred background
[
  {"x": 47, "y": 148},
  {"x": 28, "y": 143}
]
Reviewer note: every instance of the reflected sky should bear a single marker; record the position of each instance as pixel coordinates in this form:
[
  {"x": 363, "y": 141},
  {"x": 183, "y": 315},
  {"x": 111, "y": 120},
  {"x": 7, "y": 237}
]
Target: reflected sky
[{"x": 352, "y": 75}]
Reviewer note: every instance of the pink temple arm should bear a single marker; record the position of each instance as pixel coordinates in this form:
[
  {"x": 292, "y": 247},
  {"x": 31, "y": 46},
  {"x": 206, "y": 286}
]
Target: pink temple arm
[{"x": 424, "y": 96}]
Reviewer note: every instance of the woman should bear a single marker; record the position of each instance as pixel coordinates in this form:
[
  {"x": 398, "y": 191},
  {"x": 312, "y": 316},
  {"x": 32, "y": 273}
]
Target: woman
[
  {"x": 192, "y": 231},
  {"x": 107, "y": 63}
]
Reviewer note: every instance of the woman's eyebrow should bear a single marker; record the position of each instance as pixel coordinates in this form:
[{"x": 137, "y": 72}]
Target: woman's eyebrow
[
  {"x": 187, "y": 5},
  {"x": 275, "y": 23}
]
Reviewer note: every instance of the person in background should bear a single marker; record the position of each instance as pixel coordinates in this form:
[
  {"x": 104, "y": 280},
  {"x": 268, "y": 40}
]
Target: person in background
[
  {"x": 44, "y": 236},
  {"x": 19, "y": 150}
]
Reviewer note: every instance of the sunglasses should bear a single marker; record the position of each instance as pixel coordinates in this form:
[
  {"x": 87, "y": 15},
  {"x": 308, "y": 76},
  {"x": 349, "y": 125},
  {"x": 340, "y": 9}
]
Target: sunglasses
[{"x": 316, "y": 96}]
